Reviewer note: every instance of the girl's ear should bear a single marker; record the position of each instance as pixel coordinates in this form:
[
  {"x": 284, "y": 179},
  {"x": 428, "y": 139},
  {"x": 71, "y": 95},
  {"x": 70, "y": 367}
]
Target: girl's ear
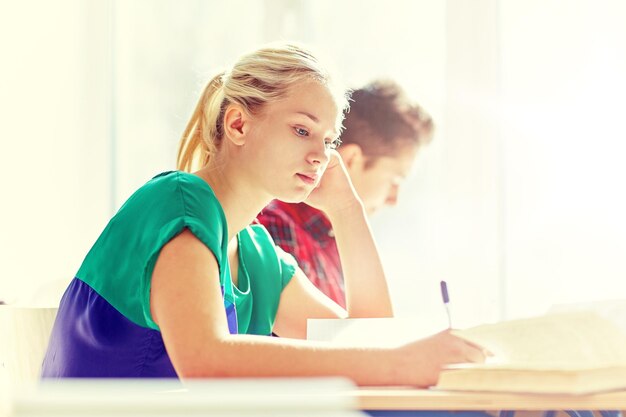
[
  {"x": 236, "y": 124},
  {"x": 352, "y": 155}
]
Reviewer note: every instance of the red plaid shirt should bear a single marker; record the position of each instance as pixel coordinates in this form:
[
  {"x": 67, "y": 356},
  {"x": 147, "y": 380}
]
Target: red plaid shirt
[{"x": 306, "y": 233}]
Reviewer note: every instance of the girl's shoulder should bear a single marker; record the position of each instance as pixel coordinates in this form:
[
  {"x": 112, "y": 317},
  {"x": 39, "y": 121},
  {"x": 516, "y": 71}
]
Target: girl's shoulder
[
  {"x": 176, "y": 190},
  {"x": 176, "y": 180},
  {"x": 169, "y": 202}
]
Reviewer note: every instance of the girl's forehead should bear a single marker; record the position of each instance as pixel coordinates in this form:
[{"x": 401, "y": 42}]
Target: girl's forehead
[{"x": 312, "y": 100}]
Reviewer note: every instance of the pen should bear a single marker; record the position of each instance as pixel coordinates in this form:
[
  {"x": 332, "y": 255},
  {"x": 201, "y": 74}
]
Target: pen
[{"x": 446, "y": 301}]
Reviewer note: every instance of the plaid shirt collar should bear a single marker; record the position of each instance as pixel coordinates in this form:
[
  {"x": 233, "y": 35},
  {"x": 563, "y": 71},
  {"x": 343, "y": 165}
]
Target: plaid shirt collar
[{"x": 311, "y": 219}]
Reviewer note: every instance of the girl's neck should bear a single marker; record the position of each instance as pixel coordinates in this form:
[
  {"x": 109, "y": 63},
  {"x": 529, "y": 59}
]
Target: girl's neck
[{"x": 239, "y": 200}]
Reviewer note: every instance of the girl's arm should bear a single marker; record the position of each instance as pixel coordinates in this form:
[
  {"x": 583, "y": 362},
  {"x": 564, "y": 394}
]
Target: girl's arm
[
  {"x": 367, "y": 294},
  {"x": 186, "y": 303},
  {"x": 299, "y": 301}
]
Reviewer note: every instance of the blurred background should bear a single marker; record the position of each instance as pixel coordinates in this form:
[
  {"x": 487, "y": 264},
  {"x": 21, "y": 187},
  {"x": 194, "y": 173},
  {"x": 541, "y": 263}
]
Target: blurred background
[{"x": 518, "y": 202}]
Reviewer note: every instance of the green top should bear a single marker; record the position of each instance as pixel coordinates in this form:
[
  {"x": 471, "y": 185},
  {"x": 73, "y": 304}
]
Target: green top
[{"x": 119, "y": 266}]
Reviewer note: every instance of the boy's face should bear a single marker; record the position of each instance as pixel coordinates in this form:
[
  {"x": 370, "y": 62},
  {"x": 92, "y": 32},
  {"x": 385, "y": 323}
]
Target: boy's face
[{"x": 378, "y": 184}]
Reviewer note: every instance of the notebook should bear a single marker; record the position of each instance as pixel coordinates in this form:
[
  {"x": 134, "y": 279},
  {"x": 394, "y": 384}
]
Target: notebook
[{"x": 379, "y": 332}]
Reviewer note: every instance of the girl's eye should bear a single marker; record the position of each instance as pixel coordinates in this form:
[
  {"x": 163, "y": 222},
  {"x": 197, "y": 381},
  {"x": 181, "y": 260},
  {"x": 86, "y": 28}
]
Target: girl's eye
[
  {"x": 301, "y": 132},
  {"x": 334, "y": 144}
]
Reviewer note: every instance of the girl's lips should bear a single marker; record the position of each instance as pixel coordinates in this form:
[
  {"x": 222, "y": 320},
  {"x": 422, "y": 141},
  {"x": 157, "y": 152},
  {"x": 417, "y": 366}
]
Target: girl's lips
[{"x": 307, "y": 179}]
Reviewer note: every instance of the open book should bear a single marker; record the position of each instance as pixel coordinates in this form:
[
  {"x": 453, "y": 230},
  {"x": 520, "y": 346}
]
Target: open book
[
  {"x": 573, "y": 352},
  {"x": 570, "y": 353}
]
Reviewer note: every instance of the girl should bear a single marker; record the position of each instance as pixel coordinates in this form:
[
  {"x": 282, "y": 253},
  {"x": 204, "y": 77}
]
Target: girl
[{"x": 180, "y": 285}]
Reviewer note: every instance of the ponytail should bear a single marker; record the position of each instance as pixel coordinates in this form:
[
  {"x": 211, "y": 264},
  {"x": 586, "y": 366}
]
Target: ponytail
[{"x": 203, "y": 129}]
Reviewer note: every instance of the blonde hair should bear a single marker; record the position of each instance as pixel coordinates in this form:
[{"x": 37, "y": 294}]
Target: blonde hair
[{"x": 256, "y": 78}]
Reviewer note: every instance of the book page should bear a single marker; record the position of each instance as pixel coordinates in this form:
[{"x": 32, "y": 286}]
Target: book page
[
  {"x": 612, "y": 310},
  {"x": 568, "y": 340}
]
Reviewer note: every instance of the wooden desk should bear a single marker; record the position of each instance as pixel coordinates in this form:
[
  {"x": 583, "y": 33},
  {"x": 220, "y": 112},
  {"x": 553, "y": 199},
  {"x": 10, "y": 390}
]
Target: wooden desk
[
  {"x": 364, "y": 398},
  {"x": 406, "y": 398}
]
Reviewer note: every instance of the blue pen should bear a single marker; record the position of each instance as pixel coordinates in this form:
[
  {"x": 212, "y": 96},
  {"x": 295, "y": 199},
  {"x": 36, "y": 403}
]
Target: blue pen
[{"x": 446, "y": 301}]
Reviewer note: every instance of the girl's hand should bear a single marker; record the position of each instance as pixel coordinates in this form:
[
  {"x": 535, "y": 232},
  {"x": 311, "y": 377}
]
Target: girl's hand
[
  {"x": 423, "y": 360},
  {"x": 334, "y": 191}
]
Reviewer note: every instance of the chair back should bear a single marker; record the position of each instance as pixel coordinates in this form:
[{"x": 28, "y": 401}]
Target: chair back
[{"x": 24, "y": 334}]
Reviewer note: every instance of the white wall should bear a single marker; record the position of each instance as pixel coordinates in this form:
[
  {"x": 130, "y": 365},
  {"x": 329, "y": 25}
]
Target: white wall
[
  {"x": 165, "y": 52},
  {"x": 563, "y": 90},
  {"x": 518, "y": 202},
  {"x": 54, "y": 156}
]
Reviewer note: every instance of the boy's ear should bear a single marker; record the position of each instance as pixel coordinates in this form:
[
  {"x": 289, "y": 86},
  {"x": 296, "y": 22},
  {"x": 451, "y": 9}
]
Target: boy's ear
[
  {"x": 236, "y": 124},
  {"x": 352, "y": 155}
]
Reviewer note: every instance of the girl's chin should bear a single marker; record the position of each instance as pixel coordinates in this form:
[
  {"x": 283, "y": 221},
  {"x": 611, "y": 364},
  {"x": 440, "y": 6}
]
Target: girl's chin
[
  {"x": 294, "y": 198},
  {"x": 291, "y": 200}
]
